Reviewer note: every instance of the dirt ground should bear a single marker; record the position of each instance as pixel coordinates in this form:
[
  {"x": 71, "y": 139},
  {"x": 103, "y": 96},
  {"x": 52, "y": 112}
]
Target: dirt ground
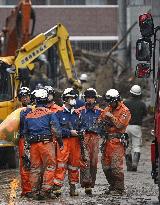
[{"x": 140, "y": 188}]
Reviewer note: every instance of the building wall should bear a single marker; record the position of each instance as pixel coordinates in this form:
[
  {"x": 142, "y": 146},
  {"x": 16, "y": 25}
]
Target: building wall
[
  {"x": 80, "y": 20},
  {"x": 63, "y": 2}
]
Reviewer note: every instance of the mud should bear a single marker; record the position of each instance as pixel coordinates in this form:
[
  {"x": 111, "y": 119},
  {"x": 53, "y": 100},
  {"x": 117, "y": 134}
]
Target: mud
[{"x": 140, "y": 188}]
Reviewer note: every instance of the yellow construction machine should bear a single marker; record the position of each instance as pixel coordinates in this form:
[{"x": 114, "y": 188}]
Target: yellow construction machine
[{"x": 13, "y": 73}]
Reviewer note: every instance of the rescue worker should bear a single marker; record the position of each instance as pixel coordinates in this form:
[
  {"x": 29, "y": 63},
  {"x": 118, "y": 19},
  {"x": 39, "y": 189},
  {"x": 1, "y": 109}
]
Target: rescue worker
[
  {"x": 88, "y": 117},
  {"x": 24, "y": 98},
  {"x": 85, "y": 84},
  {"x": 116, "y": 117},
  {"x": 68, "y": 159},
  {"x": 138, "y": 112},
  {"x": 84, "y": 81},
  {"x": 51, "y": 104},
  {"x": 38, "y": 130},
  {"x": 83, "y": 78}
]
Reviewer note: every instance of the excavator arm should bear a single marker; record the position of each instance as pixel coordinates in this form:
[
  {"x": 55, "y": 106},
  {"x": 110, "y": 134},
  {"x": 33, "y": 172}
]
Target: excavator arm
[
  {"x": 57, "y": 35},
  {"x": 11, "y": 76}
]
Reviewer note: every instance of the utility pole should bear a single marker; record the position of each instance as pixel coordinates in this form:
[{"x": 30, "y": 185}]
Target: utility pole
[{"x": 122, "y": 29}]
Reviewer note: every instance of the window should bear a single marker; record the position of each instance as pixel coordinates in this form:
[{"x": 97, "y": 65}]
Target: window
[
  {"x": 94, "y": 46},
  {"x": 73, "y": 2},
  {"x": 11, "y": 2},
  {"x": 34, "y": 2},
  {"x": 66, "y": 2},
  {"x": 39, "y": 2},
  {"x": 101, "y": 2}
]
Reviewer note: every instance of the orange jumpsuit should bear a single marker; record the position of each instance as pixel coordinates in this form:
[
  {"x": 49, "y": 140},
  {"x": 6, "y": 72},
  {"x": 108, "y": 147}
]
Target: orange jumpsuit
[
  {"x": 69, "y": 157},
  {"x": 113, "y": 153},
  {"x": 37, "y": 128},
  {"x": 54, "y": 108},
  {"x": 88, "y": 170},
  {"x": 25, "y": 182},
  {"x": 88, "y": 118},
  {"x": 25, "y": 177}
]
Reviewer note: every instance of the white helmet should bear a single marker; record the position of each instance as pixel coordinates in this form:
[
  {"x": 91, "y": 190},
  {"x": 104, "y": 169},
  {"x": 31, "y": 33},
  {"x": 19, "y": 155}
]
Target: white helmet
[
  {"x": 135, "y": 90},
  {"x": 23, "y": 91},
  {"x": 83, "y": 77},
  {"x": 69, "y": 92},
  {"x": 112, "y": 95},
  {"x": 90, "y": 92},
  {"x": 42, "y": 58},
  {"x": 50, "y": 89},
  {"x": 41, "y": 95}
]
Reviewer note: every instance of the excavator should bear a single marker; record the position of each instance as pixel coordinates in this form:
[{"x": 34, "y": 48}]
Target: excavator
[
  {"x": 18, "y": 29},
  {"x": 13, "y": 71}
]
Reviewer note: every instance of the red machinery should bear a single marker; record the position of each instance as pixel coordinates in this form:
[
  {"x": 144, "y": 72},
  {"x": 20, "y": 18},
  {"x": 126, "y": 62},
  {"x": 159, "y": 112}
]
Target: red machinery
[{"x": 18, "y": 29}]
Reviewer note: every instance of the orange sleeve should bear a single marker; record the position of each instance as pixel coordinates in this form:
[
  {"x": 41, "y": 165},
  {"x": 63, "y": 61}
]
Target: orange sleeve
[
  {"x": 103, "y": 114},
  {"x": 122, "y": 120}
]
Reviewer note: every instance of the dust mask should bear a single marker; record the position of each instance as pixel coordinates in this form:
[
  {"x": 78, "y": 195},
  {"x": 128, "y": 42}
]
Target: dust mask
[{"x": 72, "y": 102}]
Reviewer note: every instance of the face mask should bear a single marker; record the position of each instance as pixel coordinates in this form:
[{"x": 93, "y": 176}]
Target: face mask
[{"x": 72, "y": 102}]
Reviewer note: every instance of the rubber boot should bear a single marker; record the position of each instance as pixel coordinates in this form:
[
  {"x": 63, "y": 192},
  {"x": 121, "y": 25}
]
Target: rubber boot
[
  {"x": 110, "y": 179},
  {"x": 56, "y": 191},
  {"x": 45, "y": 194},
  {"x": 36, "y": 196},
  {"x": 73, "y": 191},
  {"x": 129, "y": 162},
  {"x": 136, "y": 158},
  {"x": 88, "y": 191}
]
